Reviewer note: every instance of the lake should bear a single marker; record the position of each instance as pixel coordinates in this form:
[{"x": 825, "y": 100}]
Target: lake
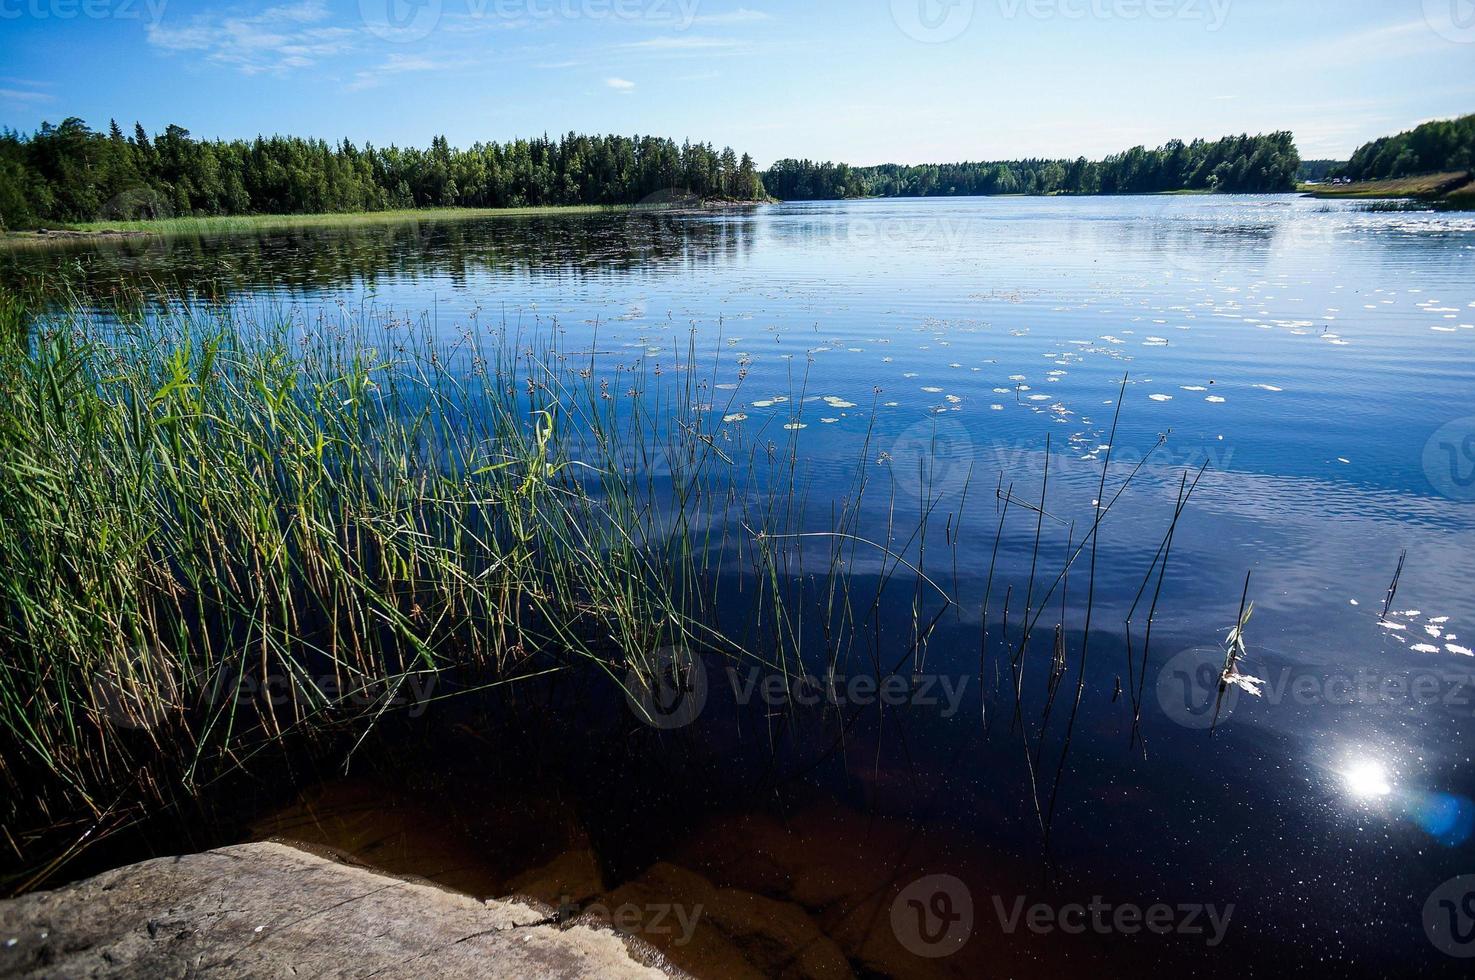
[{"x": 1306, "y": 367}]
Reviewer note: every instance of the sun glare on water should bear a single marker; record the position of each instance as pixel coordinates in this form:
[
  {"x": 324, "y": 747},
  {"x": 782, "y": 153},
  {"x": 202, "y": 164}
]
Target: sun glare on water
[{"x": 1366, "y": 779}]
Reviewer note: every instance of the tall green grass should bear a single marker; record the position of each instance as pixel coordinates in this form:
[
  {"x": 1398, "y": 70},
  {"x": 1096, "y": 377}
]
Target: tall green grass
[
  {"x": 190, "y": 505},
  {"x": 221, "y": 224}
]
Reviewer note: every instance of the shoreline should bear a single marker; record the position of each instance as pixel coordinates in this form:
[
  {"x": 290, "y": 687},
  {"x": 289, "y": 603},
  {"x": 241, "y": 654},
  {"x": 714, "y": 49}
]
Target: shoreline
[
  {"x": 1452, "y": 187},
  {"x": 109, "y": 231}
]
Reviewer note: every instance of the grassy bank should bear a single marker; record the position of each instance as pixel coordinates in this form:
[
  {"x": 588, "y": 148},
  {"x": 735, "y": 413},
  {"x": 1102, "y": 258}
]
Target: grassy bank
[
  {"x": 1454, "y": 188},
  {"x": 226, "y": 224}
]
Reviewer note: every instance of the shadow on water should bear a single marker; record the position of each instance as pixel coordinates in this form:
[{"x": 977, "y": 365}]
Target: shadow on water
[
  {"x": 785, "y": 824},
  {"x": 792, "y": 835},
  {"x": 218, "y": 268}
]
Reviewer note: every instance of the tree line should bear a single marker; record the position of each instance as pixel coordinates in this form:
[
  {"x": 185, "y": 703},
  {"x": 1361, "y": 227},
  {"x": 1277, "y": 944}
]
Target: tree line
[
  {"x": 71, "y": 173},
  {"x": 1435, "y": 147},
  {"x": 1243, "y": 164}
]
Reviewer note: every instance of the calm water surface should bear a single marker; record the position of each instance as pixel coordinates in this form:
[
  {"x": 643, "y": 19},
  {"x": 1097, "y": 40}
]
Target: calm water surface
[{"x": 1319, "y": 356}]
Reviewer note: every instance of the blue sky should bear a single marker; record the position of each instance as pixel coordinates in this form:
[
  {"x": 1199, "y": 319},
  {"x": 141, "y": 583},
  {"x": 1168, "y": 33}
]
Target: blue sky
[{"x": 867, "y": 81}]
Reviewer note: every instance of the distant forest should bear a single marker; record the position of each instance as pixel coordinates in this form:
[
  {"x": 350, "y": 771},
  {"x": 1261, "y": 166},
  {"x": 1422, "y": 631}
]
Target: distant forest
[
  {"x": 70, "y": 173},
  {"x": 1435, "y": 147},
  {"x": 1235, "y": 163}
]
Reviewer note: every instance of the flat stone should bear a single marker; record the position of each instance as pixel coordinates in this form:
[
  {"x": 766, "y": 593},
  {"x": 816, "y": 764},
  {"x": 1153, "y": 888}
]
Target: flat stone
[{"x": 268, "y": 910}]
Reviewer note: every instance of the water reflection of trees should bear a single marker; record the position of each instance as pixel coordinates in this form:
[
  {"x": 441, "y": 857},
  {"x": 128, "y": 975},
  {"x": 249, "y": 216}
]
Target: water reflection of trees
[{"x": 220, "y": 267}]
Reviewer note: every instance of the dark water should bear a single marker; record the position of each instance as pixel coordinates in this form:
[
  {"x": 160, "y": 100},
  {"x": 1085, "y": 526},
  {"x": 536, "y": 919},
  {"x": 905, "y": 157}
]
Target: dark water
[{"x": 1319, "y": 356}]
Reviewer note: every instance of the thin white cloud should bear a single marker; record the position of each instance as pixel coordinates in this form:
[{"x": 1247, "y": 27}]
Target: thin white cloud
[
  {"x": 25, "y": 96},
  {"x": 1356, "y": 49},
  {"x": 683, "y": 44},
  {"x": 278, "y": 39},
  {"x": 400, "y": 64},
  {"x": 620, "y": 84}
]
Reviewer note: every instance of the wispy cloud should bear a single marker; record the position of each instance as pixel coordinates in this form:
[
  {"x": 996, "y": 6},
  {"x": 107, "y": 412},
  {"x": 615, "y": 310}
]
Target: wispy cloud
[
  {"x": 1359, "y": 48},
  {"x": 25, "y": 96},
  {"x": 278, "y": 39},
  {"x": 620, "y": 84},
  {"x": 400, "y": 64},
  {"x": 682, "y": 43}
]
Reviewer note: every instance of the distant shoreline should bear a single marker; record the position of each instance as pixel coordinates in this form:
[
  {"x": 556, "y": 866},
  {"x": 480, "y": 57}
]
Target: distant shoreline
[
  {"x": 1456, "y": 188},
  {"x": 1453, "y": 188},
  {"x": 94, "y": 231},
  {"x": 225, "y": 224}
]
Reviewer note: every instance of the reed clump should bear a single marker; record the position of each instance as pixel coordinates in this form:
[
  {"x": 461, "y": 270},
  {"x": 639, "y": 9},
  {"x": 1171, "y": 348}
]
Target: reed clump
[{"x": 327, "y": 516}]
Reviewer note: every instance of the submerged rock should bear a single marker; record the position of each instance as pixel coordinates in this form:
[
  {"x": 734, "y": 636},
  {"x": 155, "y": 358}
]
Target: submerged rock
[
  {"x": 572, "y": 877},
  {"x": 266, "y": 909},
  {"x": 732, "y": 933}
]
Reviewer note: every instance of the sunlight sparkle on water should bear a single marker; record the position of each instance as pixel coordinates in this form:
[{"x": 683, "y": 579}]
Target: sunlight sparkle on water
[{"x": 1366, "y": 779}]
